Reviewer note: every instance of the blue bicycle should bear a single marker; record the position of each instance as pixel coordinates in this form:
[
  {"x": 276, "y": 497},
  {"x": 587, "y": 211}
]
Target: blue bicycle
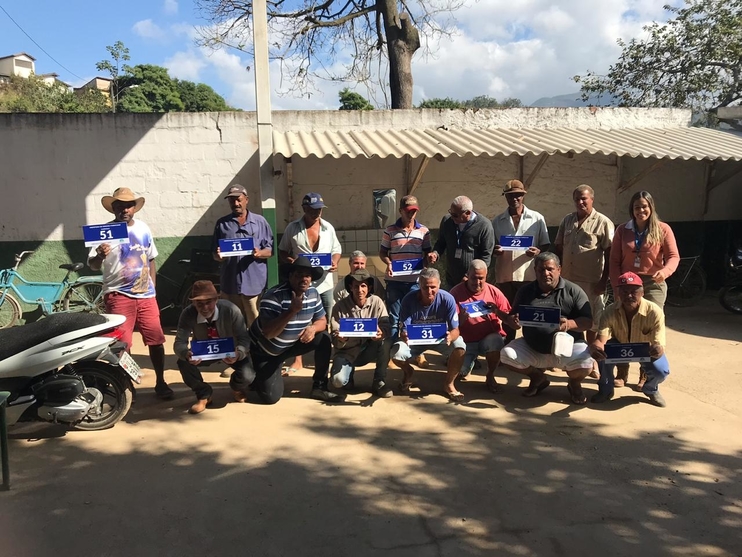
[{"x": 84, "y": 294}]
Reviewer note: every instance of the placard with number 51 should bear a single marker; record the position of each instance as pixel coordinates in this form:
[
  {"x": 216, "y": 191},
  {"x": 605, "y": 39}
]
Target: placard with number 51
[{"x": 113, "y": 233}]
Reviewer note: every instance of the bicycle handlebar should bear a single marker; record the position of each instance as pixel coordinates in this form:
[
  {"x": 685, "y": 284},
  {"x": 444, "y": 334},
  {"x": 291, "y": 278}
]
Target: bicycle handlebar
[{"x": 19, "y": 257}]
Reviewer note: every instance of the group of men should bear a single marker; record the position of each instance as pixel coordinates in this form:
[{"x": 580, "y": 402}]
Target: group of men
[{"x": 272, "y": 329}]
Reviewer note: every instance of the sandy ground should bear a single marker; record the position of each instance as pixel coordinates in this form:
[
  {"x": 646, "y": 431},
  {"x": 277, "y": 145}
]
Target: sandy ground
[{"x": 408, "y": 476}]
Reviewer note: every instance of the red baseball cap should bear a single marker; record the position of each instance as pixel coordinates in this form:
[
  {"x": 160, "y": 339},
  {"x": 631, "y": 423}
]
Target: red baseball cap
[{"x": 630, "y": 279}]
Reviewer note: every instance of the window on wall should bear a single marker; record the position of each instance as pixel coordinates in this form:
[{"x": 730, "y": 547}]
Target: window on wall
[{"x": 385, "y": 203}]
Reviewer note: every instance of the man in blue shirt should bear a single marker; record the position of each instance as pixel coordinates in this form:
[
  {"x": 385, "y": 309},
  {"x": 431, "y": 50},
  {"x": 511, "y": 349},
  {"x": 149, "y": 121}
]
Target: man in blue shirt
[
  {"x": 430, "y": 304},
  {"x": 243, "y": 277},
  {"x": 292, "y": 322}
]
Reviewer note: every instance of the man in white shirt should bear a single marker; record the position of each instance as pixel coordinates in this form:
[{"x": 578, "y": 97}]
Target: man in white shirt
[{"x": 514, "y": 267}]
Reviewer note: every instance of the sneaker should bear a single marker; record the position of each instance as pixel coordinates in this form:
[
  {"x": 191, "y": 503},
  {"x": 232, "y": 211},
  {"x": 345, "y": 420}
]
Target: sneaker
[
  {"x": 381, "y": 389},
  {"x": 601, "y": 397},
  {"x": 321, "y": 393},
  {"x": 657, "y": 399},
  {"x": 163, "y": 392}
]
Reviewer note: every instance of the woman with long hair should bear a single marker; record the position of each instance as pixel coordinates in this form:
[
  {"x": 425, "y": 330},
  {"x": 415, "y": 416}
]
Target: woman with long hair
[{"x": 646, "y": 246}]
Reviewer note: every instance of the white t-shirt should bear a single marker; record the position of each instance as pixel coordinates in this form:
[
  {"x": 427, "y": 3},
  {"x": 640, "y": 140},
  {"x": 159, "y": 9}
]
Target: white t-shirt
[
  {"x": 126, "y": 268},
  {"x": 295, "y": 241}
]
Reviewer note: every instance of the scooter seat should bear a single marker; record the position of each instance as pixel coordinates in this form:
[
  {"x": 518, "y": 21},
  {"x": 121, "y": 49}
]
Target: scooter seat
[
  {"x": 71, "y": 266},
  {"x": 17, "y": 339}
]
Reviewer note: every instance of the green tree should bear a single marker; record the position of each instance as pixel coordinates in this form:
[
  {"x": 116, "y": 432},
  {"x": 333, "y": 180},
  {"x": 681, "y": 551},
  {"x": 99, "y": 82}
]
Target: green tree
[
  {"x": 485, "y": 101},
  {"x": 116, "y": 68},
  {"x": 694, "y": 60},
  {"x": 148, "y": 88},
  {"x": 313, "y": 39},
  {"x": 448, "y": 102},
  {"x": 32, "y": 94},
  {"x": 199, "y": 97},
  {"x": 350, "y": 100}
]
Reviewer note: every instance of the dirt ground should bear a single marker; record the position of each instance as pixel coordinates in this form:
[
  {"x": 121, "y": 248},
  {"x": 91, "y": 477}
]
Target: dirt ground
[{"x": 401, "y": 477}]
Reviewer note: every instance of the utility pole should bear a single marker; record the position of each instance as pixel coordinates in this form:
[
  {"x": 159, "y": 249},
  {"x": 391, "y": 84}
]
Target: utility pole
[{"x": 265, "y": 128}]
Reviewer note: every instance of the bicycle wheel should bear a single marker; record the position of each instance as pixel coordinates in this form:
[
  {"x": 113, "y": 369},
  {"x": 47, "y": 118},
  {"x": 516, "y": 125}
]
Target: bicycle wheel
[
  {"x": 10, "y": 311},
  {"x": 684, "y": 293},
  {"x": 730, "y": 298},
  {"x": 84, "y": 297}
]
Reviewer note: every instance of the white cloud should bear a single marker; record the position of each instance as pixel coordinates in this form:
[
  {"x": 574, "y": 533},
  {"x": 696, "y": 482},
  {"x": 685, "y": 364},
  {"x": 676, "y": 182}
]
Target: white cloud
[
  {"x": 148, "y": 29},
  {"x": 170, "y": 7},
  {"x": 185, "y": 65}
]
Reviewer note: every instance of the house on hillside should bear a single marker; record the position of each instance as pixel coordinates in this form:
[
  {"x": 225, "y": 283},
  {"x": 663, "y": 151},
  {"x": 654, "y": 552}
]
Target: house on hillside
[
  {"x": 20, "y": 64},
  {"x": 102, "y": 84}
]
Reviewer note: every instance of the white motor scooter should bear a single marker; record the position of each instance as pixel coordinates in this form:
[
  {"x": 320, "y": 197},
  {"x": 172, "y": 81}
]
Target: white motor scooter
[{"x": 64, "y": 369}]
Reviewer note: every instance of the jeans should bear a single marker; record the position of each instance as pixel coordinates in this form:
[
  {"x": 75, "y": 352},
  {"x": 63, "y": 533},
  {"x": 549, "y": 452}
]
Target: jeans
[
  {"x": 493, "y": 342},
  {"x": 656, "y": 371},
  {"x": 373, "y": 351},
  {"x": 193, "y": 378},
  {"x": 268, "y": 381},
  {"x": 402, "y": 351},
  {"x": 395, "y": 291}
]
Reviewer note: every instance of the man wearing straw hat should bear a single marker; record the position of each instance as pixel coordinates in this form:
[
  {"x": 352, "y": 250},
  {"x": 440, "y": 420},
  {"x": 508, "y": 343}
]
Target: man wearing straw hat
[
  {"x": 129, "y": 273},
  {"x": 206, "y": 318}
]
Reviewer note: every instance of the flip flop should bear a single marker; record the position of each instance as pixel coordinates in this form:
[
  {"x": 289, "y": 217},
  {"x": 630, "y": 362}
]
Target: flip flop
[
  {"x": 576, "y": 398},
  {"x": 455, "y": 396},
  {"x": 286, "y": 371},
  {"x": 492, "y": 385},
  {"x": 405, "y": 388},
  {"x": 533, "y": 391}
]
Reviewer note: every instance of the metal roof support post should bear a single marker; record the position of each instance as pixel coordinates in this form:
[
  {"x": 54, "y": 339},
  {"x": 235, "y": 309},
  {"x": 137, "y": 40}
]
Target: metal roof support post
[{"x": 265, "y": 127}]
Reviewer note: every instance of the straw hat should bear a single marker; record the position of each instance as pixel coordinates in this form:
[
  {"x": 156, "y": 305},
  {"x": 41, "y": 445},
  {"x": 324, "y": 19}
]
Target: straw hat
[{"x": 121, "y": 194}]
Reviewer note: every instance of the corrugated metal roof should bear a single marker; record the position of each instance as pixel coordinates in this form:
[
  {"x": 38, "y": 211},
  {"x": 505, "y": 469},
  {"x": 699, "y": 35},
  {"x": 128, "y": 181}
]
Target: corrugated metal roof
[{"x": 673, "y": 143}]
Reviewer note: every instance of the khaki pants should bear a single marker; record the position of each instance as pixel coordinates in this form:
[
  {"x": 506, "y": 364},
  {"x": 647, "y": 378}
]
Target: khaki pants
[{"x": 248, "y": 305}]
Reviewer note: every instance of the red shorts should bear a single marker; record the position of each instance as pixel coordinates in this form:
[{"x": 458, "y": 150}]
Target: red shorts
[{"x": 140, "y": 312}]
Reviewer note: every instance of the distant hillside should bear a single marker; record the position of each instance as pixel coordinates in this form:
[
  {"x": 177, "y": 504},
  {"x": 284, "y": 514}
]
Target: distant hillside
[{"x": 571, "y": 99}]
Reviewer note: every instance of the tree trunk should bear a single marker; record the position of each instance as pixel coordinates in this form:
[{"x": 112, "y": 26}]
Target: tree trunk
[{"x": 402, "y": 39}]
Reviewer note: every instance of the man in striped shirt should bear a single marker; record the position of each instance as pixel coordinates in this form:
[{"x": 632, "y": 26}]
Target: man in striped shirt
[
  {"x": 405, "y": 239},
  {"x": 292, "y": 322}
]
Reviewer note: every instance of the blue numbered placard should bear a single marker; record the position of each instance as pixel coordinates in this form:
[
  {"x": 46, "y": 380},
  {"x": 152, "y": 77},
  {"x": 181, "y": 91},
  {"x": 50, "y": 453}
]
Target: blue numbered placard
[
  {"x": 213, "y": 349},
  {"x": 476, "y": 309},
  {"x": 620, "y": 353},
  {"x": 516, "y": 242},
  {"x": 407, "y": 267},
  {"x": 236, "y": 246},
  {"x": 323, "y": 260},
  {"x": 358, "y": 326},
  {"x": 113, "y": 233},
  {"x": 539, "y": 317},
  {"x": 426, "y": 333}
]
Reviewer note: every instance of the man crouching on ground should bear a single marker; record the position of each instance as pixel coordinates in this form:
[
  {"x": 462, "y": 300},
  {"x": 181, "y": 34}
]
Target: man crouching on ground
[
  {"x": 352, "y": 352},
  {"x": 208, "y": 317},
  {"x": 292, "y": 322}
]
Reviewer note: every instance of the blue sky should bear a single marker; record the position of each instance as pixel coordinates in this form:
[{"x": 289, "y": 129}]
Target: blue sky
[{"x": 526, "y": 49}]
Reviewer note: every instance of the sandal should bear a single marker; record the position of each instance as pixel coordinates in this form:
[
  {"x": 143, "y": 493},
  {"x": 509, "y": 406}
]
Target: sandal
[
  {"x": 492, "y": 385},
  {"x": 454, "y": 396},
  {"x": 287, "y": 371},
  {"x": 405, "y": 388},
  {"x": 534, "y": 390},
  {"x": 575, "y": 393}
]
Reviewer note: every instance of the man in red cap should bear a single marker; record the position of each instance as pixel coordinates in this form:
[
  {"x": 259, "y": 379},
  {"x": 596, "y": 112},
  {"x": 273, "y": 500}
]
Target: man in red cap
[{"x": 632, "y": 319}]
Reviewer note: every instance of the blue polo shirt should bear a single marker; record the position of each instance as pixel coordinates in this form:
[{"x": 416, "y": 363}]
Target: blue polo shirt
[
  {"x": 442, "y": 310},
  {"x": 243, "y": 274},
  {"x": 276, "y": 301}
]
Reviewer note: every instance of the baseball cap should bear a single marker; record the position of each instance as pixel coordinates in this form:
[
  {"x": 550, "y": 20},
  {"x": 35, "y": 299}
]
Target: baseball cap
[
  {"x": 630, "y": 279},
  {"x": 409, "y": 202},
  {"x": 313, "y": 200},
  {"x": 513, "y": 186},
  {"x": 236, "y": 191}
]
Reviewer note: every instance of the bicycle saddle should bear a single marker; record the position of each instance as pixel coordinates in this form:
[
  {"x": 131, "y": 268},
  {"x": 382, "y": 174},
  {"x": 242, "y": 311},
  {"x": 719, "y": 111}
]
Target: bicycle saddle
[
  {"x": 71, "y": 266},
  {"x": 18, "y": 339}
]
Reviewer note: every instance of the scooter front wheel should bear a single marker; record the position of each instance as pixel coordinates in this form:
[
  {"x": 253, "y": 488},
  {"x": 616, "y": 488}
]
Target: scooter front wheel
[
  {"x": 730, "y": 297},
  {"x": 116, "y": 390}
]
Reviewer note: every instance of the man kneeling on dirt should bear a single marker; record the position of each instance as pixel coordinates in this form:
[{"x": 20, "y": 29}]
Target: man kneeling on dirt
[
  {"x": 355, "y": 351},
  {"x": 292, "y": 322},
  {"x": 206, "y": 318},
  {"x": 632, "y": 319},
  {"x": 534, "y": 352},
  {"x": 430, "y": 304}
]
